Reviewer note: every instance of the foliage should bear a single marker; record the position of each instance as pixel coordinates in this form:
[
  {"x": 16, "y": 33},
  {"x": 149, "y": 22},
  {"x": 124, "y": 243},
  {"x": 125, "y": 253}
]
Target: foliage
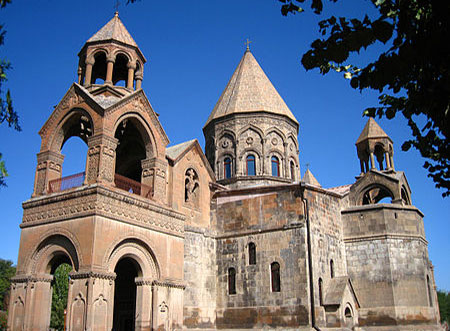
[
  {"x": 3, "y": 320},
  {"x": 444, "y": 305},
  {"x": 7, "y": 112},
  {"x": 412, "y": 74},
  {"x": 59, "y": 296},
  {"x": 6, "y": 272}
]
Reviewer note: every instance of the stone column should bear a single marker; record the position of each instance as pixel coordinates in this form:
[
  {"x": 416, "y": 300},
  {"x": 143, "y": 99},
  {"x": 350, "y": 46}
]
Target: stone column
[
  {"x": 154, "y": 175},
  {"x": 286, "y": 173},
  {"x": 131, "y": 67},
  {"x": 101, "y": 159},
  {"x": 109, "y": 69},
  {"x": 88, "y": 75},
  {"x": 80, "y": 74},
  {"x": 49, "y": 167},
  {"x": 139, "y": 76},
  {"x": 392, "y": 162},
  {"x": 372, "y": 161},
  {"x": 361, "y": 163},
  {"x": 144, "y": 304},
  {"x": 388, "y": 161}
]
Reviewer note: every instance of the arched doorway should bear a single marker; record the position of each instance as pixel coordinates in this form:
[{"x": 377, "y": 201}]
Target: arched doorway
[{"x": 126, "y": 271}]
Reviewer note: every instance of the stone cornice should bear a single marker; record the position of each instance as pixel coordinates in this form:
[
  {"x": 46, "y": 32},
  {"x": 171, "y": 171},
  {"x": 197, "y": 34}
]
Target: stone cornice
[
  {"x": 384, "y": 237},
  {"x": 365, "y": 208},
  {"x": 102, "y": 201},
  {"x": 92, "y": 274},
  {"x": 45, "y": 278},
  {"x": 171, "y": 283}
]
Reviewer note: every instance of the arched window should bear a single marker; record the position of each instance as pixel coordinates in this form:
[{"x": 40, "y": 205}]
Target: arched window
[
  {"x": 251, "y": 253},
  {"x": 320, "y": 292},
  {"x": 430, "y": 298},
  {"x": 332, "y": 268},
  {"x": 275, "y": 277},
  {"x": 275, "y": 166},
  {"x": 292, "y": 170},
  {"x": 227, "y": 167},
  {"x": 251, "y": 166},
  {"x": 231, "y": 281}
]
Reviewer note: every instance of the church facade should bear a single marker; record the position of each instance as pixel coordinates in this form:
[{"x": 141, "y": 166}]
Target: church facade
[{"x": 166, "y": 237}]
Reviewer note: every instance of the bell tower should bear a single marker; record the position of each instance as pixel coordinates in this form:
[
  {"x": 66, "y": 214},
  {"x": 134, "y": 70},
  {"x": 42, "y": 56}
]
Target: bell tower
[{"x": 112, "y": 222}]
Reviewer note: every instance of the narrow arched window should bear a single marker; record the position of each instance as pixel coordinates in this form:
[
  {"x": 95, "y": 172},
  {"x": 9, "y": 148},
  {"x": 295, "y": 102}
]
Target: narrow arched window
[
  {"x": 227, "y": 167},
  {"x": 332, "y": 268},
  {"x": 430, "y": 299},
  {"x": 251, "y": 253},
  {"x": 251, "y": 167},
  {"x": 231, "y": 281},
  {"x": 320, "y": 292},
  {"x": 292, "y": 170},
  {"x": 275, "y": 166},
  {"x": 275, "y": 277}
]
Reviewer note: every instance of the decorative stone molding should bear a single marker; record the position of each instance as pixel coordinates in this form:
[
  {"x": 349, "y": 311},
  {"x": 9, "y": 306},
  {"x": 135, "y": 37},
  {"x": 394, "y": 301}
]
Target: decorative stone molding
[
  {"x": 92, "y": 274},
  {"x": 169, "y": 283},
  {"x": 142, "y": 281},
  {"x": 99, "y": 200},
  {"x": 38, "y": 278}
]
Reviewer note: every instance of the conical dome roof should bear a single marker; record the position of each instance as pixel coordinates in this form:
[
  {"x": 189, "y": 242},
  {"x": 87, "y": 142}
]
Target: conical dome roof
[
  {"x": 114, "y": 30},
  {"x": 371, "y": 130},
  {"x": 249, "y": 90}
]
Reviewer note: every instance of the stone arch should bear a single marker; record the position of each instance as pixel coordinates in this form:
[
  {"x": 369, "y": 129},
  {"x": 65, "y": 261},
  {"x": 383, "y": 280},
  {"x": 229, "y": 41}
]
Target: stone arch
[
  {"x": 281, "y": 160},
  {"x": 276, "y": 130},
  {"x": 258, "y": 161},
  {"x": 120, "y": 69},
  {"x": 121, "y": 52},
  {"x": 349, "y": 315},
  {"x": 250, "y": 127},
  {"x": 405, "y": 195},
  {"x": 55, "y": 246},
  {"x": 372, "y": 194},
  {"x": 76, "y": 122},
  {"x": 139, "y": 251},
  {"x": 144, "y": 129},
  {"x": 292, "y": 139},
  {"x": 135, "y": 144},
  {"x": 99, "y": 59},
  {"x": 221, "y": 166},
  {"x": 293, "y": 171}
]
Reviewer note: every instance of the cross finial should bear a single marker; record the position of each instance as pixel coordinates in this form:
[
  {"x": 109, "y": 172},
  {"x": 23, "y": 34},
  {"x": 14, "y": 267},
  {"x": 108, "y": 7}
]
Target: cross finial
[
  {"x": 307, "y": 166},
  {"x": 247, "y": 43},
  {"x": 116, "y": 7}
]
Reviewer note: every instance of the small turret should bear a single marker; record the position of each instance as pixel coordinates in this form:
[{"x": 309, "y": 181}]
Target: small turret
[
  {"x": 111, "y": 56},
  {"x": 373, "y": 143}
]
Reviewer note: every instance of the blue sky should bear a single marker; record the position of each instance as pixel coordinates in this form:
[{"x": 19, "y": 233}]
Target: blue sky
[{"x": 192, "y": 48}]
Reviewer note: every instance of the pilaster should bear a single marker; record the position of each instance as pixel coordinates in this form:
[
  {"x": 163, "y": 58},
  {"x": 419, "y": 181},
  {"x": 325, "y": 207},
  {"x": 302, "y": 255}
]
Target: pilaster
[
  {"x": 49, "y": 167},
  {"x": 154, "y": 171},
  {"x": 101, "y": 159}
]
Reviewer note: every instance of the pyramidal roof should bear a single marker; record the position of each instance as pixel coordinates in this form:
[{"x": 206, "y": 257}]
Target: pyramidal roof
[
  {"x": 114, "y": 30},
  {"x": 371, "y": 130},
  {"x": 249, "y": 90},
  {"x": 309, "y": 178}
]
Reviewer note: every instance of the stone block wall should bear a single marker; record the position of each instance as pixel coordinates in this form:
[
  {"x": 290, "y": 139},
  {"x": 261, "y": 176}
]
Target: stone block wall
[
  {"x": 387, "y": 260},
  {"x": 274, "y": 222},
  {"x": 200, "y": 272}
]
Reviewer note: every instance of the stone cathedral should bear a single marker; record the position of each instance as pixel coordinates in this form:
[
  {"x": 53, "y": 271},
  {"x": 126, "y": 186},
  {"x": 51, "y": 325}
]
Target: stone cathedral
[{"x": 164, "y": 237}]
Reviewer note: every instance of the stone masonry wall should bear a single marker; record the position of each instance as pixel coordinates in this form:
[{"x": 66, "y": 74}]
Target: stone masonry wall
[
  {"x": 326, "y": 242},
  {"x": 200, "y": 272},
  {"x": 387, "y": 260},
  {"x": 274, "y": 222}
]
